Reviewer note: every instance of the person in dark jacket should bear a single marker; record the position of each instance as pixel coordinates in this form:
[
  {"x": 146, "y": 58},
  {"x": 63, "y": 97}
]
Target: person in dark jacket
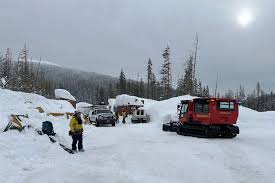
[{"x": 76, "y": 131}]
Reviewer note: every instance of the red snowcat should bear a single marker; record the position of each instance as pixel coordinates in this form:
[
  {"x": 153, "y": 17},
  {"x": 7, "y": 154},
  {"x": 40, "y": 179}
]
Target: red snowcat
[{"x": 206, "y": 117}]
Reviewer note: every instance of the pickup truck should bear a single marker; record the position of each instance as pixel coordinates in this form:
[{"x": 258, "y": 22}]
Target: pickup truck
[{"x": 102, "y": 117}]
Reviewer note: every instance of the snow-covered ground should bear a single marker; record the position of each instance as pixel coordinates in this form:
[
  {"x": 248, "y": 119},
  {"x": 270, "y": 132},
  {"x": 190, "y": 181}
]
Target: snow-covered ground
[{"x": 140, "y": 152}]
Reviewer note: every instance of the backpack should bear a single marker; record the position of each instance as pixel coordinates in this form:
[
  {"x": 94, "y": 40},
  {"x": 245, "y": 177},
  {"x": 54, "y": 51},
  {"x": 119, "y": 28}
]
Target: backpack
[{"x": 47, "y": 128}]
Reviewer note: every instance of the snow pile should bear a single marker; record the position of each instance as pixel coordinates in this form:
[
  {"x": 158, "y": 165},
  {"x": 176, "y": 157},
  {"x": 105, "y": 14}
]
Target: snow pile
[
  {"x": 83, "y": 105},
  {"x": 166, "y": 110},
  {"x": 63, "y": 94},
  {"x": 20, "y": 103},
  {"x": 111, "y": 101},
  {"x": 131, "y": 100},
  {"x": 84, "y": 108}
]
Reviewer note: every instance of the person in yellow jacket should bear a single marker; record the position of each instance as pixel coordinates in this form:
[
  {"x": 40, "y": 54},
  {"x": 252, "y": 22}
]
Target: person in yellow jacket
[{"x": 76, "y": 131}]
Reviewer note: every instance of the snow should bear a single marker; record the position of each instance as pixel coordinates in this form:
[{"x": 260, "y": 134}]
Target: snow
[
  {"x": 83, "y": 105},
  {"x": 63, "y": 94},
  {"x": 130, "y": 100},
  {"x": 167, "y": 109},
  {"x": 136, "y": 152},
  {"x": 20, "y": 103}
]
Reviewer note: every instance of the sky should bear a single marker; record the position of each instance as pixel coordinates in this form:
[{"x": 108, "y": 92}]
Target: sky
[{"x": 236, "y": 37}]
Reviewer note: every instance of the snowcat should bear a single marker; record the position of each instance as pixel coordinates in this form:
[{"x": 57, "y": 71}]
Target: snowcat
[{"x": 206, "y": 117}]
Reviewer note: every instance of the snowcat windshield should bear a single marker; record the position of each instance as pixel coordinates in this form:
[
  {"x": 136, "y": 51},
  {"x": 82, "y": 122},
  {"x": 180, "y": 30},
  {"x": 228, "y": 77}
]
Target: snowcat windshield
[{"x": 183, "y": 109}]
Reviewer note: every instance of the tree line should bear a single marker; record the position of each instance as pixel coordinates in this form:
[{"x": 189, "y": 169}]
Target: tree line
[
  {"x": 21, "y": 74},
  {"x": 160, "y": 89},
  {"x": 258, "y": 99}
]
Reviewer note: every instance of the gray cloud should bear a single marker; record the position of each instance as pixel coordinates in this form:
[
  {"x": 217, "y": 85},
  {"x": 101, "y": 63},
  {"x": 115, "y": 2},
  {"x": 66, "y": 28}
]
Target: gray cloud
[{"x": 107, "y": 35}]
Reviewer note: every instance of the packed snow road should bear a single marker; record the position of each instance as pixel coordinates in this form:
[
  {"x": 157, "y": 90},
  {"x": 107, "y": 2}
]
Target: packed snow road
[{"x": 140, "y": 153}]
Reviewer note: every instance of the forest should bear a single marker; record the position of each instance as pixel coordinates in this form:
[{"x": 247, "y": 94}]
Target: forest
[{"x": 22, "y": 74}]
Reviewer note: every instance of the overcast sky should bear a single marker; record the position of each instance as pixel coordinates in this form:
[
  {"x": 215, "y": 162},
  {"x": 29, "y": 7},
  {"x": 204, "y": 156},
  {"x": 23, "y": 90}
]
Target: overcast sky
[{"x": 106, "y": 35}]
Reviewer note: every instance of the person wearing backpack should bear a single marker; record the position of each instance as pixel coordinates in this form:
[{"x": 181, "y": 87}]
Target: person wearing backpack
[{"x": 76, "y": 131}]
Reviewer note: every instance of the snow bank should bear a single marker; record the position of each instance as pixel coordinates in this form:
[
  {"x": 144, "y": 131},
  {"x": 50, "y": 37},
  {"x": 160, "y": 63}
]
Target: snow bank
[
  {"x": 130, "y": 100},
  {"x": 83, "y": 105},
  {"x": 20, "y": 103},
  {"x": 161, "y": 111},
  {"x": 63, "y": 94}
]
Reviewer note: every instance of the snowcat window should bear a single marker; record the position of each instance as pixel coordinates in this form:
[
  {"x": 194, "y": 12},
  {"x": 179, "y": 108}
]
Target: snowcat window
[
  {"x": 183, "y": 109},
  {"x": 225, "y": 106},
  {"x": 137, "y": 112},
  {"x": 202, "y": 107}
]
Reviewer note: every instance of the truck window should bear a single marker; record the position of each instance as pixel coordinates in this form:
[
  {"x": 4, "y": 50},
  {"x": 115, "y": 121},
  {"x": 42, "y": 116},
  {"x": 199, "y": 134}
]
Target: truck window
[
  {"x": 202, "y": 107},
  {"x": 225, "y": 106}
]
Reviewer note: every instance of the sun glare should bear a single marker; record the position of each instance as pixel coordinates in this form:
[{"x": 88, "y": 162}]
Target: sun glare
[{"x": 245, "y": 18}]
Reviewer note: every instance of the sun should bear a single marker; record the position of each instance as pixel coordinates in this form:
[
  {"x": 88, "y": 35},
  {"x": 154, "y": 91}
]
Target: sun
[{"x": 245, "y": 18}]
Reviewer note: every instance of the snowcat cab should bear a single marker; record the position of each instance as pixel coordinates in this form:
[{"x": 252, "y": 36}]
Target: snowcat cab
[{"x": 206, "y": 117}]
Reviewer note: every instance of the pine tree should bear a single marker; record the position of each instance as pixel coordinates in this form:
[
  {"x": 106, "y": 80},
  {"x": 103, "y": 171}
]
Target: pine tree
[
  {"x": 7, "y": 65},
  {"x": 25, "y": 77},
  {"x": 188, "y": 77},
  {"x": 154, "y": 87},
  {"x": 199, "y": 89},
  {"x": 241, "y": 95},
  {"x": 166, "y": 75},
  {"x": 149, "y": 79},
  {"x": 229, "y": 94},
  {"x": 122, "y": 83},
  {"x": 258, "y": 92},
  {"x": 141, "y": 88}
]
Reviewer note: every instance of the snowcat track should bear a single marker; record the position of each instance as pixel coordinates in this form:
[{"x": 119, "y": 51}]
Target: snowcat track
[
  {"x": 202, "y": 131},
  {"x": 171, "y": 127}
]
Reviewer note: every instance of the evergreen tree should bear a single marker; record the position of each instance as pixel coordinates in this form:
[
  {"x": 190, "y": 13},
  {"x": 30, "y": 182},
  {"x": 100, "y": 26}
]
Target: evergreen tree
[
  {"x": 149, "y": 79},
  {"x": 241, "y": 95},
  {"x": 166, "y": 75},
  {"x": 122, "y": 83},
  {"x": 188, "y": 78},
  {"x": 229, "y": 94},
  {"x": 258, "y": 92},
  {"x": 141, "y": 88}
]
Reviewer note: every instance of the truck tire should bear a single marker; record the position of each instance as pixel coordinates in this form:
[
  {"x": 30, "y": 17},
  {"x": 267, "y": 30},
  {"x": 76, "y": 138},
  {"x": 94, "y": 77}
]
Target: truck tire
[{"x": 113, "y": 124}]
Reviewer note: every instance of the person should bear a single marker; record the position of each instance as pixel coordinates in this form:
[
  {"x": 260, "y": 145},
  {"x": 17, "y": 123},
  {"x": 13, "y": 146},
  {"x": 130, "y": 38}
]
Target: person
[
  {"x": 124, "y": 115},
  {"x": 117, "y": 117},
  {"x": 76, "y": 131}
]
